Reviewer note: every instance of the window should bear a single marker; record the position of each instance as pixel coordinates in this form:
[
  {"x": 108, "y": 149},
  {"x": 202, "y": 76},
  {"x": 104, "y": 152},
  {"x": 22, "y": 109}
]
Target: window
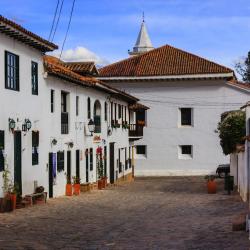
[
  {"x": 2, "y": 146},
  {"x": 119, "y": 111},
  {"x": 89, "y": 108},
  {"x": 97, "y": 116},
  {"x": 35, "y": 145},
  {"x": 185, "y": 152},
  {"x": 11, "y": 71},
  {"x": 60, "y": 161},
  {"x": 106, "y": 111},
  {"x": 77, "y": 105},
  {"x": 64, "y": 114},
  {"x": 141, "y": 150},
  {"x": 111, "y": 111},
  {"x": 125, "y": 113},
  {"x": 115, "y": 111},
  {"x": 91, "y": 159},
  {"x": 34, "y": 78},
  {"x": 52, "y": 97},
  {"x": 186, "y": 116}
]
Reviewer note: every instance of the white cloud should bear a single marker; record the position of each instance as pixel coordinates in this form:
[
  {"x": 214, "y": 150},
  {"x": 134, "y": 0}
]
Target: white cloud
[{"x": 81, "y": 54}]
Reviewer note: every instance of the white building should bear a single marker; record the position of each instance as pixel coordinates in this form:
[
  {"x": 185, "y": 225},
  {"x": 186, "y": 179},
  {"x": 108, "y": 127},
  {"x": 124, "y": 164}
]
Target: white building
[
  {"x": 46, "y": 108},
  {"x": 186, "y": 95}
]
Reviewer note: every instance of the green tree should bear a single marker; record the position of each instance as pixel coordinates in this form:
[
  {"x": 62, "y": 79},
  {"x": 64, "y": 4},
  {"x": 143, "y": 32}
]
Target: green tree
[
  {"x": 243, "y": 68},
  {"x": 232, "y": 129}
]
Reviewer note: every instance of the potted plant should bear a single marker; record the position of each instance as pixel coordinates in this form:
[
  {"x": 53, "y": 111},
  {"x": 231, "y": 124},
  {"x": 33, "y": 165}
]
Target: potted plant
[
  {"x": 7, "y": 203},
  {"x": 99, "y": 162},
  {"x": 14, "y": 193},
  {"x": 76, "y": 185},
  {"x": 211, "y": 184},
  {"x": 68, "y": 186}
]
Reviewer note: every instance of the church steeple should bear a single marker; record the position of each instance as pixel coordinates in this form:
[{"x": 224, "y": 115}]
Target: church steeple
[{"x": 143, "y": 42}]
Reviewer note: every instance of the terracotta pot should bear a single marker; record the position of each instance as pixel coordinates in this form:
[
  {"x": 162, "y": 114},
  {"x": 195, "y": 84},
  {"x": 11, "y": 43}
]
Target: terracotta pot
[
  {"x": 77, "y": 189},
  {"x": 68, "y": 190},
  {"x": 13, "y": 201},
  {"x": 211, "y": 187},
  {"x": 105, "y": 182},
  {"x": 100, "y": 184}
]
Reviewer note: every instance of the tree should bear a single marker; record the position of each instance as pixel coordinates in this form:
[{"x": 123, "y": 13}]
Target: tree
[
  {"x": 243, "y": 68},
  {"x": 232, "y": 129}
]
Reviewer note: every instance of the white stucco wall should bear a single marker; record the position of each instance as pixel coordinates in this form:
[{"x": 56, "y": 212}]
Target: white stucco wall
[
  {"x": 78, "y": 131},
  {"x": 163, "y": 135},
  {"x": 20, "y": 105}
]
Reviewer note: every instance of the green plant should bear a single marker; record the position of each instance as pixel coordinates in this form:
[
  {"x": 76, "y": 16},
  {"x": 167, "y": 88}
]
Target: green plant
[
  {"x": 232, "y": 129},
  {"x": 68, "y": 179},
  {"x": 6, "y": 180},
  {"x": 76, "y": 180},
  {"x": 210, "y": 177}
]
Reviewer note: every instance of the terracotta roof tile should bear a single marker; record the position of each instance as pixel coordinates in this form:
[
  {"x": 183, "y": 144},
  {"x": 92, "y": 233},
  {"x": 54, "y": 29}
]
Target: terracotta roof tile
[
  {"x": 56, "y": 67},
  {"x": 83, "y": 68},
  {"x": 138, "y": 106},
  {"x": 163, "y": 61},
  {"x": 21, "y": 34}
]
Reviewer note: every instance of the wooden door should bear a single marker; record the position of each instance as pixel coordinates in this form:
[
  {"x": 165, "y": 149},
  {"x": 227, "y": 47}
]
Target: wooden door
[
  {"x": 87, "y": 165},
  {"x": 78, "y": 164},
  {"x": 112, "y": 162},
  {"x": 18, "y": 160},
  {"x": 51, "y": 175},
  {"x": 69, "y": 165}
]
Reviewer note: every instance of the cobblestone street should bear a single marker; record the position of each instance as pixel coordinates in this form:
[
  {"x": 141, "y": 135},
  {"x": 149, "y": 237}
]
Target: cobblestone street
[{"x": 157, "y": 213}]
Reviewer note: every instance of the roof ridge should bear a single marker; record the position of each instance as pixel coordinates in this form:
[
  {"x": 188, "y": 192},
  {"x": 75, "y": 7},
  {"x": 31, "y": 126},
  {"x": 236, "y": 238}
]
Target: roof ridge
[
  {"x": 197, "y": 56},
  {"x": 166, "y": 45}
]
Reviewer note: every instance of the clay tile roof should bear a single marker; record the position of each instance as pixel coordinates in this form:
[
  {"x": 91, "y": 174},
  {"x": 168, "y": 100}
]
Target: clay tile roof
[
  {"x": 138, "y": 106},
  {"x": 163, "y": 61},
  {"x": 19, "y": 33},
  {"x": 83, "y": 68},
  {"x": 56, "y": 67}
]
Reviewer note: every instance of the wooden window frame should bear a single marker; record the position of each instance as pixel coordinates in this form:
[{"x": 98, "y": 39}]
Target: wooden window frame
[
  {"x": 34, "y": 78},
  {"x": 12, "y": 71}
]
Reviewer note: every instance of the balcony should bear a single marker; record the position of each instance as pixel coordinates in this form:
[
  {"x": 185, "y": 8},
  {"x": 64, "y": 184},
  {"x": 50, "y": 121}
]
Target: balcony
[
  {"x": 64, "y": 123},
  {"x": 135, "y": 131}
]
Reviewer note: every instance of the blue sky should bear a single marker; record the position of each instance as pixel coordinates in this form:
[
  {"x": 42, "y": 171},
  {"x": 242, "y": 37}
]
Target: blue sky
[{"x": 105, "y": 29}]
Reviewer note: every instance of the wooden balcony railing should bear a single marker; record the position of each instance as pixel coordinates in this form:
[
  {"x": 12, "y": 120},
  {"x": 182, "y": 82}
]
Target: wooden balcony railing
[
  {"x": 135, "y": 130},
  {"x": 64, "y": 123}
]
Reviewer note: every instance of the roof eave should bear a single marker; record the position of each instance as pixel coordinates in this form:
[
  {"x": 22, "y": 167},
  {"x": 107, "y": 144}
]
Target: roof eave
[{"x": 169, "y": 77}]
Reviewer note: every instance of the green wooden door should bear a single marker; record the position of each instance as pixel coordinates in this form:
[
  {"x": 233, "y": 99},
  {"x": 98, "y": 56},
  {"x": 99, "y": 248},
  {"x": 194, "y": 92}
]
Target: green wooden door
[{"x": 18, "y": 160}]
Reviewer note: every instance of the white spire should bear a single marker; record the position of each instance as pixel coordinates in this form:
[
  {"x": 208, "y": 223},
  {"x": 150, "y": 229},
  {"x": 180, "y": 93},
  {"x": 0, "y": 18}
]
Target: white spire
[{"x": 143, "y": 42}]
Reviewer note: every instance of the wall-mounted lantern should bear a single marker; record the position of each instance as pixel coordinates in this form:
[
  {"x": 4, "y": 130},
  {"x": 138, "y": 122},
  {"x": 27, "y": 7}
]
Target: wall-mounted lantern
[
  {"x": 54, "y": 142},
  {"x": 28, "y": 124},
  {"x": 91, "y": 126},
  {"x": 12, "y": 124}
]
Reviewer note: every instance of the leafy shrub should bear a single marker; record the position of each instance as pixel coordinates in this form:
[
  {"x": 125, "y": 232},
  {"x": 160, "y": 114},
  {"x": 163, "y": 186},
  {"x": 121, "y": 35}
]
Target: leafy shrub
[{"x": 232, "y": 129}]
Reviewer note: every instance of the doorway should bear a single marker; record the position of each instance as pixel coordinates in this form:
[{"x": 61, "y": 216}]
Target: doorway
[
  {"x": 78, "y": 164},
  {"x": 18, "y": 160},
  {"x": 112, "y": 162},
  {"x": 69, "y": 165},
  {"x": 50, "y": 175}
]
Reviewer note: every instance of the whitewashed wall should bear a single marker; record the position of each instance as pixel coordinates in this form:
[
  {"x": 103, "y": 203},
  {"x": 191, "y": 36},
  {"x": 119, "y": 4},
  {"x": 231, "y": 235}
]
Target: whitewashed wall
[
  {"x": 78, "y": 131},
  {"x": 163, "y": 135},
  {"x": 20, "y": 105},
  {"x": 239, "y": 164}
]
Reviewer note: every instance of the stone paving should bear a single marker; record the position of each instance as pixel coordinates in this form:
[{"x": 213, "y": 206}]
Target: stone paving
[{"x": 151, "y": 213}]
